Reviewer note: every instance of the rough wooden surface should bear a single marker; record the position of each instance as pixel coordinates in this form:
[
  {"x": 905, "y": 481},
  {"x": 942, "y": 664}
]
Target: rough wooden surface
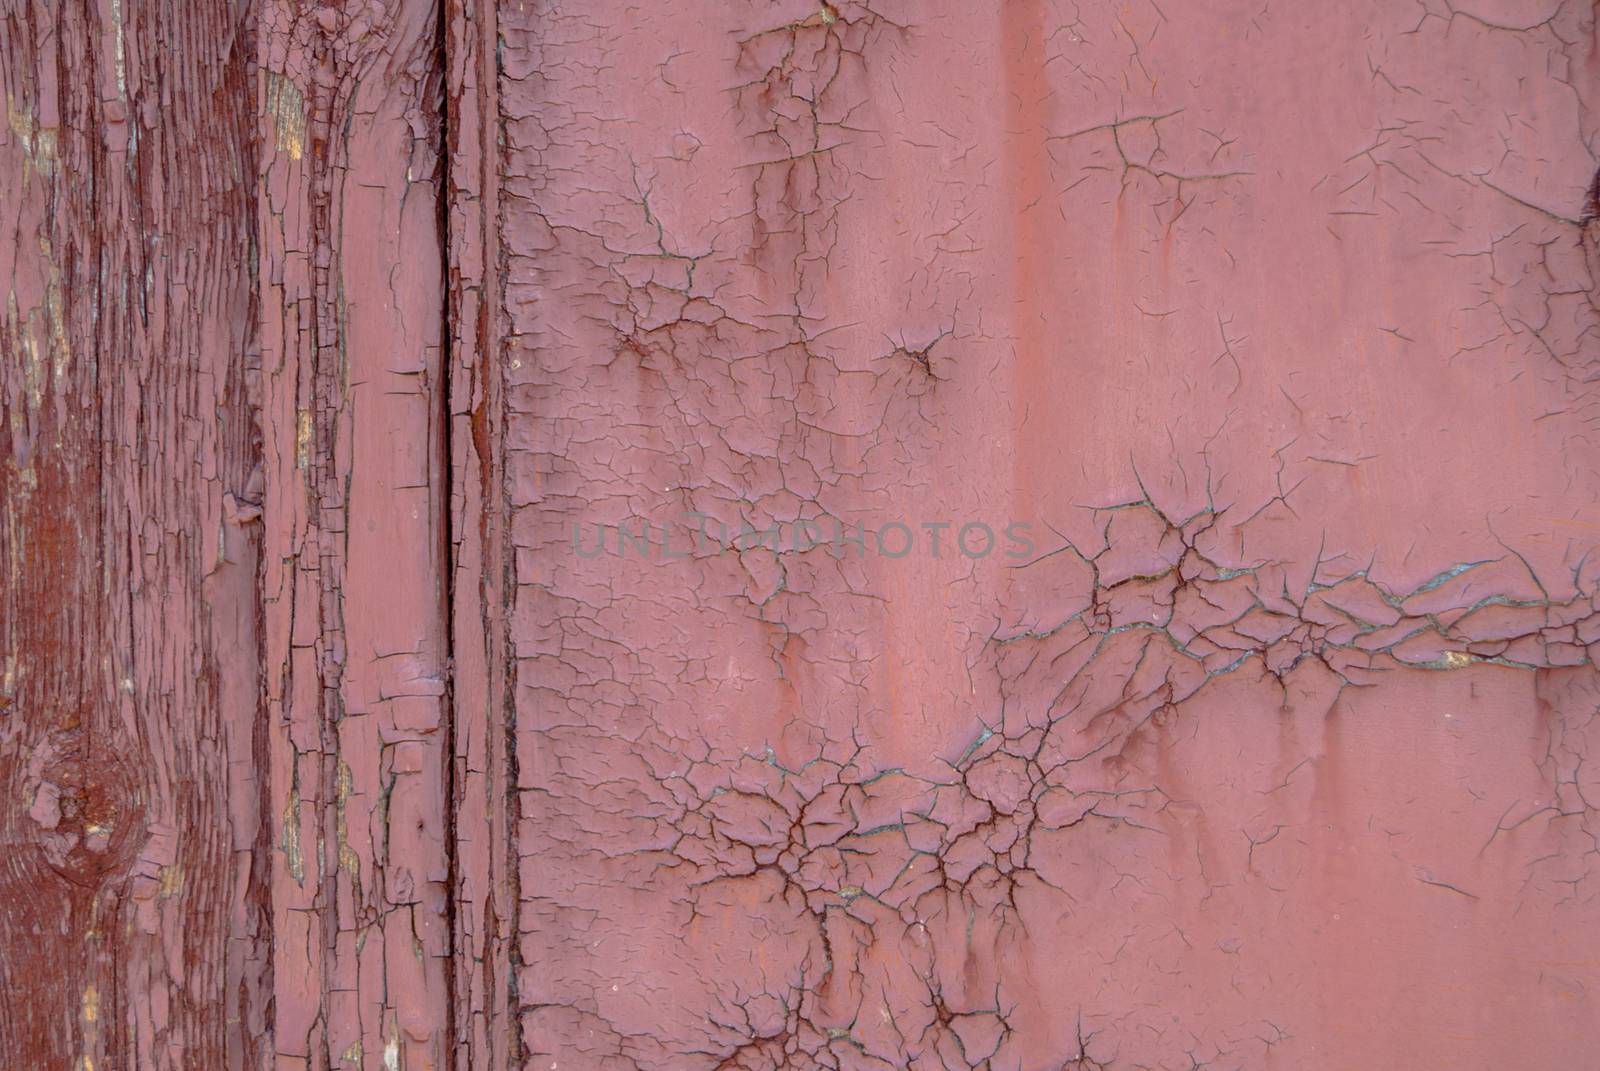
[
  {"x": 332, "y": 333},
  {"x": 134, "y": 879},
  {"x": 355, "y": 586}
]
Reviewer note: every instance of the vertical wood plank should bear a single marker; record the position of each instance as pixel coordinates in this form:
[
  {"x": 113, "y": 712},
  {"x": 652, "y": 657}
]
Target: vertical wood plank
[
  {"x": 355, "y": 584},
  {"x": 485, "y": 872},
  {"x": 131, "y": 883}
]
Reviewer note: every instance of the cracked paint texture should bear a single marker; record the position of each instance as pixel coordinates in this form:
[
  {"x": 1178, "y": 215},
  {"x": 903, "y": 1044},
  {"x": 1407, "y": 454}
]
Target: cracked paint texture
[
  {"x": 1278, "y": 324},
  {"x": 323, "y": 745}
]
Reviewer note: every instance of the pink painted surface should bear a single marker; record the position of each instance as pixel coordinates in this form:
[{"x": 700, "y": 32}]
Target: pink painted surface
[
  {"x": 1262, "y": 336},
  {"x": 1275, "y": 321}
]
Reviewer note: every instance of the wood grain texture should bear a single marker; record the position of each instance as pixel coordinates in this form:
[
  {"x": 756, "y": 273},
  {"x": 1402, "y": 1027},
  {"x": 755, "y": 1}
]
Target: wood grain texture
[
  {"x": 335, "y": 332},
  {"x": 133, "y": 882},
  {"x": 355, "y": 581},
  {"x": 486, "y": 875},
  {"x": 226, "y": 736}
]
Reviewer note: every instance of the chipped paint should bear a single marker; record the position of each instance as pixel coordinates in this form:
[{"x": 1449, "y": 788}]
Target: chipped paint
[
  {"x": 327, "y": 325},
  {"x": 286, "y": 108}
]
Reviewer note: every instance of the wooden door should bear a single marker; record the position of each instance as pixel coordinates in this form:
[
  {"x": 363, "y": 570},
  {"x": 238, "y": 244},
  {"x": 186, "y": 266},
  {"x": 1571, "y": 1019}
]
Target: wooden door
[{"x": 768, "y": 534}]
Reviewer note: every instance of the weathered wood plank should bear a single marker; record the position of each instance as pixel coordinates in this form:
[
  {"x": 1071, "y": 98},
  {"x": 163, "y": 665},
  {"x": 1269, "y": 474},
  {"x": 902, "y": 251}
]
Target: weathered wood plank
[
  {"x": 323, "y": 745},
  {"x": 133, "y": 930},
  {"x": 486, "y": 873},
  {"x": 356, "y": 551}
]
